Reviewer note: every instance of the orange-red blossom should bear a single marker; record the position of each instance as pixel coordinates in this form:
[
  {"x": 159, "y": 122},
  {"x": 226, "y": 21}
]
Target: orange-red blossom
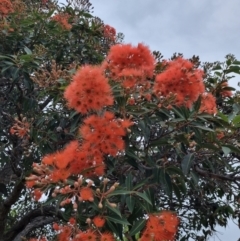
[
  {"x": 89, "y": 90},
  {"x": 182, "y": 80},
  {"x": 6, "y": 7},
  {"x": 104, "y": 133},
  {"x": 72, "y": 232},
  {"x": 62, "y": 19},
  {"x": 129, "y": 65},
  {"x": 161, "y": 227}
]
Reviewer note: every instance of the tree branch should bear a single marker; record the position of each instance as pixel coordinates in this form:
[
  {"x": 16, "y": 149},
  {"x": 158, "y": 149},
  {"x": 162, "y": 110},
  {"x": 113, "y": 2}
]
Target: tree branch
[
  {"x": 27, "y": 223},
  {"x": 6, "y": 205},
  {"x": 45, "y": 103},
  {"x": 36, "y": 223},
  {"x": 204, "y": 173}
]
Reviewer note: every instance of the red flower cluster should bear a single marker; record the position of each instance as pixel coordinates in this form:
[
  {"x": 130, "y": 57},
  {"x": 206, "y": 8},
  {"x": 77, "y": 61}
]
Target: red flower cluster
[
  {"x": 20, "y": 128},
  {"x": 60, "y": 162},
  {"x": 99, "y": 221},
  {"x": 36, "y": 239},
  {"x": 71, "y": 232},
  {"x": 89, "y": 90},
  {"x": 208, "y": 104},
  {"x": 129, "y": 65},
  {"x": 86, "y": 194},
  {"x": 6, "y": 7},
  {"x": 181, "y": 80},
  {"x": 161, "y": 227},
  {"x": 101, "y": 135},
  {"x": 74, "y": 160},
  {"x": 109, "y": 32},
  {"x": 104, "y": 134},
  {"x": 107, "y": 237},
  {"x": 62, "y": 19}
]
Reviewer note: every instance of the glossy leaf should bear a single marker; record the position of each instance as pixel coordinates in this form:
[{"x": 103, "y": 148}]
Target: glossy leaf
[
  {"x": 137, "y": 227},
  {"x": 119, "y": 220},
  {"x": 187, "y": 163}
]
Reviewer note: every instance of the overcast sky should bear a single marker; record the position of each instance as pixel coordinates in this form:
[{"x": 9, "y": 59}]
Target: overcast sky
[{"x": 207, "y": 28}]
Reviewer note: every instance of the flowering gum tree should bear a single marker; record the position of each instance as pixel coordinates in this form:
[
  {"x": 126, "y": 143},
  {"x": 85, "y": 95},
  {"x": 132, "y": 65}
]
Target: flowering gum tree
[
  {"x": 116, "y": 154},
  {"x": 107, "y": 141}
]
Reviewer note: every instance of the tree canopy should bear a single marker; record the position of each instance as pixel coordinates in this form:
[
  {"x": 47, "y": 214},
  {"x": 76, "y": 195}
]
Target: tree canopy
[{"x": 102, "y": 140}]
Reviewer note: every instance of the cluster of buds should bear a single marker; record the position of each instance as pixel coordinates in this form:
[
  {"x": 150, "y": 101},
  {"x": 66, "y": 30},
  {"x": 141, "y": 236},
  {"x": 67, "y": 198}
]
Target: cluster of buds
[
  {"x": 220, "y": 135},
  {"x": 39, "y": 180},
  {"x": 143, "y": 95},
  {"x": 75, "y": 192},
  {"x": 49, "y": 78},
  {"x": 4, "y": 26},
  {"x": 103, "y": 194},
  {"x": 166, "y": 101},
  {"x": 21, "y": 128}
]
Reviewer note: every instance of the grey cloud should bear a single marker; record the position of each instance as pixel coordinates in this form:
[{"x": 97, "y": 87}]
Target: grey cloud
[{"x": 205, "y": 28}]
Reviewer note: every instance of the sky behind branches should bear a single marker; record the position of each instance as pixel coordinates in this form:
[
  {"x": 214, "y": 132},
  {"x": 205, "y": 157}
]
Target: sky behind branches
[{"x": 208, "y": 29}]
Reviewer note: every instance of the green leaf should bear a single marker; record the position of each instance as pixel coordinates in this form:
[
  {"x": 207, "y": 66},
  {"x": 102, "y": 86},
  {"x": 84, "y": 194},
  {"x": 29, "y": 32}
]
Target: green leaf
[
  {"x": 67, "y": 212},
  {"x": 223, "y": 117},
  {"x": 114, "y": 219},
  {"x": 113, "y": 227},
  {"x": 87, "y": 15},
  {"x": 140, "y": 184},
  {"x": 218, "y": 73},
  {"x": 181, "y": 184},
  {"x": 159, "y": 142},
  {"x": 176, "y": 191},
  {"x": 132, "y": 162},
  {"x": 145, "y": 130},
  {"x": 197, "y": 105},
  {"x": 232, "y": 148},
  {"x": 130, "y": 201},
  {"x": 217, "y": 67},
  {"x": 137, "y": 227},
  {"x": 233, "y": 69},
  {"x": 226, "y": 150},
  {"x": 114, "y": 210},
  {"x": 236, "y": 107},
  {"x": 178, "y": 112},
  {"x": 145, "y": 206},
  {"x": 187, "y": 163},
  {"x": 27, "y": 50},
  {"x": 129, "y": 181},
  {"x": 74, "y": 113},
  {"x": 174, "y": 170},
  {"x": 209, "y": 146},
  {"x": 131, "y": 154},
  {"x": 165, "y": 181},
  {"x": 236, "y": 119},
  {"x": 6, "y": 57},
  {"x": 236, "y": 62},
  {"x": 194, "y": 177},
  {"x": 120, "y": 192},
  {"x": 144, "y": 197},
  {"x": 204, "y": 128}
]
